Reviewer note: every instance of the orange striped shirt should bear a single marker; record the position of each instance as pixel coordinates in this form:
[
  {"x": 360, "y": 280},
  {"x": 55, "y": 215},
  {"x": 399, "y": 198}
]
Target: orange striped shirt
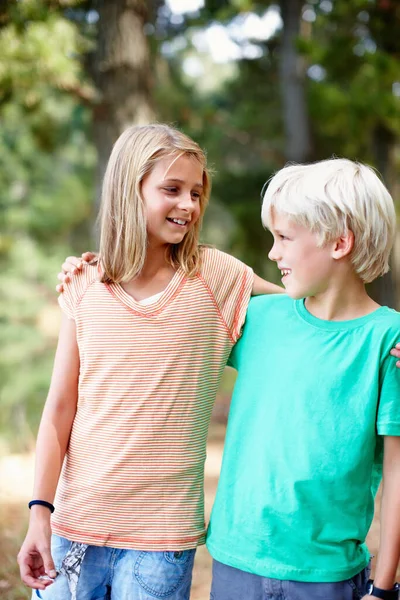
[{"x": 149, "y": 373}]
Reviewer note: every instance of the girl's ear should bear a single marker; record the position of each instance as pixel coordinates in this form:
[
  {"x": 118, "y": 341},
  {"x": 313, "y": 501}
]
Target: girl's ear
[{"x": 343, "y": 245}]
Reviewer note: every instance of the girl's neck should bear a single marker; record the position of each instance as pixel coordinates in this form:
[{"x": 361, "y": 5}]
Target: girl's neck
[{"x": 156, "y": 262}]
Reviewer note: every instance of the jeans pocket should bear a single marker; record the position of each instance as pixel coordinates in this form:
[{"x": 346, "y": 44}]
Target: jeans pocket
[
  {"x": 59, "y": 548},
  {"x": 162, "y": 573},
  {"x": 358, "y": 583},
  {"x": 356, "y": 592}
]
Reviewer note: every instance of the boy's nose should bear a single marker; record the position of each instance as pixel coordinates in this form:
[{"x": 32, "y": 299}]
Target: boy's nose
[{"x": 273, "y": 254}]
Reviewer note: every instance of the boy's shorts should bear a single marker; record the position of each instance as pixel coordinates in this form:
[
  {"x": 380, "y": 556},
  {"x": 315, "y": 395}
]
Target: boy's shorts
[{"x": 229, "y": 583}]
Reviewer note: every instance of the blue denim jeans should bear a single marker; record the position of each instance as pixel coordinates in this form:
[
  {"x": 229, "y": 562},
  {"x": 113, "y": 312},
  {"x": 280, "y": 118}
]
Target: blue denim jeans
[
  {"x": 229, "y": 583},
  {"x": 115, "y": 574}
]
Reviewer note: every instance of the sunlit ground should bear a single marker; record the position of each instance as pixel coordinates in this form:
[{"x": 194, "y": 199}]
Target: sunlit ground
[{"x": 16, "y": 476}]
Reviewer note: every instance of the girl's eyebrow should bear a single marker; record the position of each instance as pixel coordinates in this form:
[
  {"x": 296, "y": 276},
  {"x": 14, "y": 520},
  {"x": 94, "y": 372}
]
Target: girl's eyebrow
[{"x": 175, "y": 180}]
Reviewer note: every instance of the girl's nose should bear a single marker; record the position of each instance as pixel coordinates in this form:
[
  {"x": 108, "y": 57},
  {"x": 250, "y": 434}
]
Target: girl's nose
[{"x": 186, "y": 202}]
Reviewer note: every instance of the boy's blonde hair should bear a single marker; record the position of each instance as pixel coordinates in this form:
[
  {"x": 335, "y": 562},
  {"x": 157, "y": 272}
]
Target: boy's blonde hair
[
  {"x": 332, "y": 197},
  {"x": 123, "y": 230}
]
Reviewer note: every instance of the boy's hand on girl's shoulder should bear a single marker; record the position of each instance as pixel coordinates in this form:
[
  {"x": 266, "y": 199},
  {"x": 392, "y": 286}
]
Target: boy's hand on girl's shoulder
[
  {"x": 396, "y": 352},
  {"x": 72, "y": 265}
]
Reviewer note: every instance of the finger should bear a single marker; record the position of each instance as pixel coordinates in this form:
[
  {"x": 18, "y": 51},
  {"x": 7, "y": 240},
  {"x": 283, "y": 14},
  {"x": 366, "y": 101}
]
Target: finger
[
  {"x": 395, "y": 352},
  {"x": 67, "y": 267},
  {"x": 27, "y": 577},
  {"x": 88, "y": 256},
  {"x": 48, "y": 563},
  {"x": 71, "y": 263}
]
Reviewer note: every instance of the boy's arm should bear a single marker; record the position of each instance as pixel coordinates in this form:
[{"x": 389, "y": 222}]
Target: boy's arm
[
  {"x": 261, "y": 286},
  {"x": 34, "y": 557},
  {"x": 389, "y": 548}
]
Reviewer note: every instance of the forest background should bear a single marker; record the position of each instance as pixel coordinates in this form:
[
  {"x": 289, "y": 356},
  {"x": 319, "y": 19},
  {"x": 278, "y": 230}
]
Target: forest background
[{"x": 256, "y": 83}]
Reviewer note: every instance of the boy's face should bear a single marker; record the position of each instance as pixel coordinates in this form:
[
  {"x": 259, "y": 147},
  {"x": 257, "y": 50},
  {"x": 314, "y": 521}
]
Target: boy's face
[{"x": 306, "y": 267}]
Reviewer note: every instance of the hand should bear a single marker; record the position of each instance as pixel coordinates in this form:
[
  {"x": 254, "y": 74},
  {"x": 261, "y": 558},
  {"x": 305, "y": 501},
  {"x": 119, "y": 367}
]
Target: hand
[
  {"x": 72, "y": 265},
  {"x": 34, "y": 558},
  {"x": 396, "y": 352}
]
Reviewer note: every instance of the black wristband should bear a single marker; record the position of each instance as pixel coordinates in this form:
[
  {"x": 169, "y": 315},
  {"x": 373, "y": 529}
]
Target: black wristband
[
  {"x": 42, "y": 503},
  {"x": 392, "y": 594}
]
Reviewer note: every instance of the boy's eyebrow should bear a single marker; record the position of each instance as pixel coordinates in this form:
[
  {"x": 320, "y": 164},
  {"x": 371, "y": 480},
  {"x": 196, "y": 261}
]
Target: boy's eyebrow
[{"x": 176, "y": 180}]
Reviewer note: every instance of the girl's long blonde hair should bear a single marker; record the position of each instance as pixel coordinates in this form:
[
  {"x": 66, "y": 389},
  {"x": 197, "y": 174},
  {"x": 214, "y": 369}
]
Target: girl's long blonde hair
[{"x": 123, "y": 231}]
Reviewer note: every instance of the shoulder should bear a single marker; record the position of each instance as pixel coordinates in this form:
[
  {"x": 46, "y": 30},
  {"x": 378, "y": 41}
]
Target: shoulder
[
  {"x": 387, "y": 322},
  {"x": 83, "y": 279},
  {"x": 76, "y": 288},
  {"x": 211, "y": 257},
  {"x": 215, "y": 263},
  {"x": 278, "y": 302}
]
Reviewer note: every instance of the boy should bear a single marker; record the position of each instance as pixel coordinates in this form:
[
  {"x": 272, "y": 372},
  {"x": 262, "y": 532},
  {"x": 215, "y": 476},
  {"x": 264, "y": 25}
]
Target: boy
[{"x": 308, "y": 431}]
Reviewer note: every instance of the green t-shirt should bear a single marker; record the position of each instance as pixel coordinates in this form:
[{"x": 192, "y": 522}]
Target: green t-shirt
[{"x": 303, "y": 450}]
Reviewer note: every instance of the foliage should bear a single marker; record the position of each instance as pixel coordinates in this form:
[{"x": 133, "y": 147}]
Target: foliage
[
  {"x": 349, "y": 52},
  {"x": 46, "y": 165}
]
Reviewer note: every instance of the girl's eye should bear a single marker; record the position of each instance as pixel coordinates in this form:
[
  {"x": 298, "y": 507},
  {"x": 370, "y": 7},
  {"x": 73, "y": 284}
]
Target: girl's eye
[
  {"x": 283, "y": 237},
  {"x": 196, "y": 195},
  {"x": 171, "y": 190}
]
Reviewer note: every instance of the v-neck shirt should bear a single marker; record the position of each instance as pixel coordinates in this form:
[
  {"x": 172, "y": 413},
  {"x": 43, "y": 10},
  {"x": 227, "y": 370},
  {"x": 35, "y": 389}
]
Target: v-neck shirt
[
  {"x": 149, "y": 373},
  {"x": 150, "y": 299}
]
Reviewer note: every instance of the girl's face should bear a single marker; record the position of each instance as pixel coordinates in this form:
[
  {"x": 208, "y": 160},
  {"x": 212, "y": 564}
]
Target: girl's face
[{"x": 171, "y": 194}]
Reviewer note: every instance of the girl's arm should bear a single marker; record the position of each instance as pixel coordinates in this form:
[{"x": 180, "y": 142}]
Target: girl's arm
[
  {"x": 389, "y": 548},
  {"x": 261, "y": 286},
  {"x": 34, "y": 557}
]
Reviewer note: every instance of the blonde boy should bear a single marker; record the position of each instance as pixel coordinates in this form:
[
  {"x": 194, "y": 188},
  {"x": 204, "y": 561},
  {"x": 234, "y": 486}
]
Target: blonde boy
[{"x": 310, "y": 430}]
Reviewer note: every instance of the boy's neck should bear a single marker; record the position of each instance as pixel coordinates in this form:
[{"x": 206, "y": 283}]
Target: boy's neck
[{"x": 342, "y": 303}]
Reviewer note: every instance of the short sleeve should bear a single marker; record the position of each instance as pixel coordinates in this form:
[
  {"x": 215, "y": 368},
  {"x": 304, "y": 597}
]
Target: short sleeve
[
  {"x": 388, "y": 419},
  {"x": 73, "y": 292},
  {"x": 230, "y": 282}
]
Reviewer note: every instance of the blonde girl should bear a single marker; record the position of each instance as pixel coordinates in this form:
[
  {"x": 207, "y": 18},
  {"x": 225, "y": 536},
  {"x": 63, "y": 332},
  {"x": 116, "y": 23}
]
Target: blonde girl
[{"x": 144, "y": 338}]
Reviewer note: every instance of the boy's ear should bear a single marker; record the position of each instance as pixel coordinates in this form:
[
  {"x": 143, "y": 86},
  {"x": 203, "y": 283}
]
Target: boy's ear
[{"x": 343, "y": 245}]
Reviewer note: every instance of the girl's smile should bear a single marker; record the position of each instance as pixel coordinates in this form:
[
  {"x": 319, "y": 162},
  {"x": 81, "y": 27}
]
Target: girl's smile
[{"x": 171, "y": 194}]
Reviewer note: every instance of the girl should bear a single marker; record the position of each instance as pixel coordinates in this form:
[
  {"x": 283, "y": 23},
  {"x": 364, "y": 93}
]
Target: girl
[{"x": 144, "y": 338}]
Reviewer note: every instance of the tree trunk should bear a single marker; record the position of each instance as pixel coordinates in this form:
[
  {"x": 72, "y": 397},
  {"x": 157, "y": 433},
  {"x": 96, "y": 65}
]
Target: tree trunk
[
  {"x": 120, "y": 68},
  {"x": 292, "y": 77},
  {"x": 386, "y": 289}
]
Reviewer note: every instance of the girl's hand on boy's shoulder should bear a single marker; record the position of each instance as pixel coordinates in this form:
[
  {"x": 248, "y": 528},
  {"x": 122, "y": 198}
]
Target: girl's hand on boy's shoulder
[
  {"x": 396, "y": 352},
  {"x": 71, "y": 266}
]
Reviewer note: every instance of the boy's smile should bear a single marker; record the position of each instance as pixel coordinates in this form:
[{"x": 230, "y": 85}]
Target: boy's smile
[{"x": 305, "y": 266}]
